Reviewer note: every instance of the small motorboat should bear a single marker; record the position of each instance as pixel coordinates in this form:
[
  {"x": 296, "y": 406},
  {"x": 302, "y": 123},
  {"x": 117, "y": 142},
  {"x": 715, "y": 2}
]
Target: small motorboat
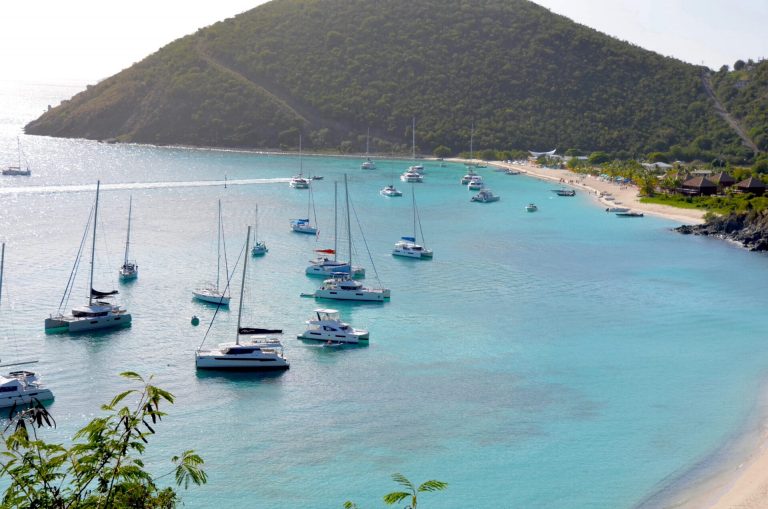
[
  {"x": 485, "y": 196},
  {"x": 390, "y": 191},
  {"x": 412, "y": 176},
  {"x": 476, "y": 183},
  {"x": 617, "y": 209},
  {"x": 531, "y": 207},
  {"x": 299, "y": 182},
  {"x": 564, "y": 192},
  {"x": 326, "y": 325},
  {"x": 629, "y": 214}
]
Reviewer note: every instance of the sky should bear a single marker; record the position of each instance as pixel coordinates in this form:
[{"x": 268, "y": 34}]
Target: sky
[{"x": 84, "y": 41}]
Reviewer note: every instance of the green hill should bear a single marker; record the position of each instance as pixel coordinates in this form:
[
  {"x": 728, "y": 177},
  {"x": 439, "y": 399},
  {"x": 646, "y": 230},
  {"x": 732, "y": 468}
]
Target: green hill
[{"x": 526, "y": 77}]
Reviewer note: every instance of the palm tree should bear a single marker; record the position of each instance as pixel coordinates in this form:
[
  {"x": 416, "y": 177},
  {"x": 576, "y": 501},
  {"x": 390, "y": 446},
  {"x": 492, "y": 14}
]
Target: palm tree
[{"x": 412, "y": 491}]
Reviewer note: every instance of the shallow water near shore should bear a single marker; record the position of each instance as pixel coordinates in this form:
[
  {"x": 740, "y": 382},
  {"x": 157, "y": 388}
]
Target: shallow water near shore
[{"x": 563, "y": 358}]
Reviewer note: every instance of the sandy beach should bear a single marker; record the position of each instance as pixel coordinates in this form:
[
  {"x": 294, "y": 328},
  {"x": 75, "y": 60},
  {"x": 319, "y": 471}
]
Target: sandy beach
[{"x": 623, "y": 195}]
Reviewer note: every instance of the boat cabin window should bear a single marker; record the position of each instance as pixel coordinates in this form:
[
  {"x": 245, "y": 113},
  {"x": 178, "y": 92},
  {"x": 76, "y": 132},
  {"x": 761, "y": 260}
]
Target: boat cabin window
[
  {"x": 240, "y": 351},
  {"x": 12, "y": 388}
]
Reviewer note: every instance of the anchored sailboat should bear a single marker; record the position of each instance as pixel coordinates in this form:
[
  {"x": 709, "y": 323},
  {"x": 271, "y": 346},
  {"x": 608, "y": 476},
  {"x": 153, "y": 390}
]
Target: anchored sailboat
[
  {"x": 259, "y": 246},
  {"x": 368, "y": 164},
  {"x": 212, "y": 292},
  {"x": 407, "y": 246},
  {"x": 259, "y": 355},
  {"x": 325, "y": 266},
  {"x": 19, "y": 170},
  {"x": 99, "y": 313},
  {"x": 341, "y": 286},
  {"x": 129, "y": 269}
]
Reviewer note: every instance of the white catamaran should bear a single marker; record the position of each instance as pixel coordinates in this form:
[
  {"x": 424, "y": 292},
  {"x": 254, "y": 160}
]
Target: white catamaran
[
  {"x": 99, "y": 313},
  {"x": 258, "y": 355},
  {"x": 326, "y": 266},
  {"x": 340, "y": 286}
]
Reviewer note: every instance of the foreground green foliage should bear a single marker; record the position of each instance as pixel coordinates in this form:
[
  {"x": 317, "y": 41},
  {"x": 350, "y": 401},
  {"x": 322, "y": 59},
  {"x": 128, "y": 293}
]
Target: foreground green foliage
[
  {"x": 103, "y": 467},
  {"x": 331, "y": 69},
  {"x": 410, "y": 493}
]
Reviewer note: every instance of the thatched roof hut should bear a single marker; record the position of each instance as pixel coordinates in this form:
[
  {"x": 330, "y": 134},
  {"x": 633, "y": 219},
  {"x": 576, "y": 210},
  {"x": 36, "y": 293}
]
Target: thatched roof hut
[
  {"x": 751, "y": 185},
  {"x": 699, "y": 186},
  {"x": 723, "y": 180}
]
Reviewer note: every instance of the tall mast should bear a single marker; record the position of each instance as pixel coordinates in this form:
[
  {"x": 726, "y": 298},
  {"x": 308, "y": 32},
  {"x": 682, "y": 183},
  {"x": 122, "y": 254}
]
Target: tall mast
[
  {"x": 128, "y": 235},
  {"x": 256, "y": 225},
  {"x": 218, "y": 249},
  {"x": 301, "y": 161},
  {"x": 413, "y": 205},
  {"x": 367, "y": 138},
  {"x": 471, "y": 142},
  {"x": 335, "y": 218},
  {"x": 93, "y": 243},
  {"x": 242, "y": 286},
  {"x": 2, "y": 264},
  {"x": 18, "y": 144},
  {"x": 349, "y": 225},
  {"x": 413, "y": 140}
]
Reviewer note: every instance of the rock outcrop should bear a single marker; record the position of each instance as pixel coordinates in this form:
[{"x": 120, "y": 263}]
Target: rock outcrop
[{"x": 748, "y": 229}]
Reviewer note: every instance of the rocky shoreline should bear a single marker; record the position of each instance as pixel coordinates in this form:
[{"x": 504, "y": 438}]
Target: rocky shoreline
[{"x": 748, "y": 229}]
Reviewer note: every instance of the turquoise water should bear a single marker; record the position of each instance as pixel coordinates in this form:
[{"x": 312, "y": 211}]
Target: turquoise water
[{"x": 564, "y": 358}]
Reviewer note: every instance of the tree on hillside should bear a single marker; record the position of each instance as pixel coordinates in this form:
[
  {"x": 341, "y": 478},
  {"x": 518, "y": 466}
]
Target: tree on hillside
[
  {"x": 441, "y": 151},
  {"x": 599, "y": 157},
  {"x": 103, "y": 467}
]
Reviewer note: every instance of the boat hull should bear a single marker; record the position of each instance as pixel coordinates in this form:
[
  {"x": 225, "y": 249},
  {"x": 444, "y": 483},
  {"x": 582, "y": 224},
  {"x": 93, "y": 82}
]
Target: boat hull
[
  {"x": 213, "y": 299},
  {"x": 407, "y": 253},
  {"x": 86, "y": 324},
  {"x": 365, "y": 296},
  {"x": 26, "y": 397},
  {"x": 350, "y": 339},
  {"x": 223, "y": 362}
]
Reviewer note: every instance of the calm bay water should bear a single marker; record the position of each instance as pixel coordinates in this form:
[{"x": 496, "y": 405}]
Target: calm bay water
[{"x": 565, "y": 358}]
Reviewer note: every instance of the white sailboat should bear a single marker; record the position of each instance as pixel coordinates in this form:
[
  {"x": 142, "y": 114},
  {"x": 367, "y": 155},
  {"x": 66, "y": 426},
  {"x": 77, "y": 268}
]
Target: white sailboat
[
  {"x": 415, "y": 172},
  {"x": 466, "y": 179},
  {"x": 326, "y": 325},
  {"x": 259, "y": 246},
  {"x": 368, "y": 164},
  {"x": 19, "y": 387},
  {"x": 299, "y": 181},
  {"x": 129, "y": 269},
  {"x": 259, "y": 355},
  {"x": 407, "y": 246},
  {"x": 326, "y": 266},
  {"x": 98, "y": 313},
  {"x": 18, "y": 170},
  {"x": 341, "y": 286},
  {"x": 211, "y": 292}
]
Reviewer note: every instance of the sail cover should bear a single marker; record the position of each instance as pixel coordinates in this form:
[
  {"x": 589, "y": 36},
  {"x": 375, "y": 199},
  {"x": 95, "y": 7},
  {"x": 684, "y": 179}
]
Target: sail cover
[
  {"x": 409, "y": 239},
  {"x": 96, "y": 294},
  {"x": 328, "y": 251},
  {"x": 254, "y": 330}
]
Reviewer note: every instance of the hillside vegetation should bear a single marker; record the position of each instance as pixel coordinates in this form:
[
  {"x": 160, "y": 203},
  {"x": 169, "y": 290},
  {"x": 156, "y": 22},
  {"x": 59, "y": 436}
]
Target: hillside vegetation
[{"x": 331, "y": 69}]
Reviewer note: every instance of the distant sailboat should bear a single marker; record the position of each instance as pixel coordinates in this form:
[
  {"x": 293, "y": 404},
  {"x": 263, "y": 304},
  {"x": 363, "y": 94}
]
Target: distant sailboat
[
  {"x": 368, "y": 164},
  {"x": 99, "y": 313},
  {"x": 300, "y": 181},
  {"x": 306, "y": 224},
  {"x": 212, "y": 292},
  {"x": 407, "y": 246},
  {"x": 18, "y": 171},
  {"x": 129, "y": 269},
  {"x": 259, "y": 246}
]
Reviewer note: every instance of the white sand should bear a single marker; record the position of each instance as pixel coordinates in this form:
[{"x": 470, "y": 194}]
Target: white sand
[{"x": 624, "y": 195}]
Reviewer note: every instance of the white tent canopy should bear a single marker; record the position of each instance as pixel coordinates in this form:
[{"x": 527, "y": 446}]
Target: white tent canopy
[{"x": 539, "y": 154}]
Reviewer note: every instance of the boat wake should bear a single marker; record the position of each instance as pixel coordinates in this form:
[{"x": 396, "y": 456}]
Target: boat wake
[{"x": 138, "y": 185}]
